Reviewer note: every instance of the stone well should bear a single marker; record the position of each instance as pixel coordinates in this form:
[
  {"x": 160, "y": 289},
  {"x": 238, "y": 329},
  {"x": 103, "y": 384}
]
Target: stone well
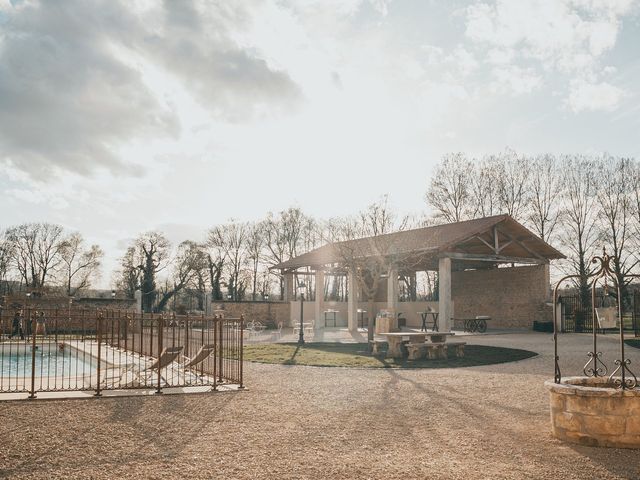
[{"x": 591, "y": 411}]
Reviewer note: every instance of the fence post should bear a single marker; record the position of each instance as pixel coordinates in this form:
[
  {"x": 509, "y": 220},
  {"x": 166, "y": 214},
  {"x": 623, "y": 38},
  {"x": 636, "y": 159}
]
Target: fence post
[
  {"x": 151, "y": 337},
  {"x": 221, "y": 337},
  {"x": 126, "y": 332},
  {"x": 160, "y": 331},
  {"x": 241, "y": 349},
  {"x": 216, "y": 351},
  {"x": 32, "y": 393},
  {"x": 99, "y": 337}
]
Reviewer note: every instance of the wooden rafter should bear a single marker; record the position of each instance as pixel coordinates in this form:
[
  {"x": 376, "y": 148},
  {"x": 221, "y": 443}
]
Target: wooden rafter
[{"x": 493, "y": 258}]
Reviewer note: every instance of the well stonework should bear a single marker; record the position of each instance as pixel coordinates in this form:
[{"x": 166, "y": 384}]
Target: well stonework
[{"x": 589, "y": 411}]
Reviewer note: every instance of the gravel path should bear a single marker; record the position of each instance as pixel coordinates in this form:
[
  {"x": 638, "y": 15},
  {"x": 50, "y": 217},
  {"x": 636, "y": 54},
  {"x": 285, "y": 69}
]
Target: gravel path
[{"x": 489, "y": 422}]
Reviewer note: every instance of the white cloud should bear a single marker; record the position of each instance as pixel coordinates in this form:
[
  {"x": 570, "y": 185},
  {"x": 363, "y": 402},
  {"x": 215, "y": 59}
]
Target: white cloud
[
  {"x": 531, "y": 42},
  {"x": 460, "y": 61},
  {"x": 586, "y": 96},
  {"x": 500, "y": 56},
  {"x": 566, "y": 34},
  {"x": 73, "y": 85},
  {"x": 515, "y": 80}
]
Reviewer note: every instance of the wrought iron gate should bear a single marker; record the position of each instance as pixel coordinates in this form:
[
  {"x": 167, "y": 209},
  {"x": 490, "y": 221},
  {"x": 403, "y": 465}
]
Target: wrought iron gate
[{"x": 578, "y": 318}]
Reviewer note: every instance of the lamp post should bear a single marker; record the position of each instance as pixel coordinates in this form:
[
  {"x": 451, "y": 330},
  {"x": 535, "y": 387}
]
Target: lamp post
[
  {"x": 27, "y": 314},
  {"x": 301, "y": 287}
]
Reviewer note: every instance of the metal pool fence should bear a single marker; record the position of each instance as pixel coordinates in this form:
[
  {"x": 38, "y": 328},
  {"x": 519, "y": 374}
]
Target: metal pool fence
[{"x": 44, "y": 350}]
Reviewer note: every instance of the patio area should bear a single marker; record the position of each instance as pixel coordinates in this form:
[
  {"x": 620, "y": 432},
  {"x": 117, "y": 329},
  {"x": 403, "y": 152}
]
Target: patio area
[{"x": 308, "y": 422}]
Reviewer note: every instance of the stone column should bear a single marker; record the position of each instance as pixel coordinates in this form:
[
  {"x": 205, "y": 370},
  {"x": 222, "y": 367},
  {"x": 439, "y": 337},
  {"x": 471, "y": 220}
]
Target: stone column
[
  {"x": 207, "y": 303},
  {"x": 288, "y": 287},
  {"x": 319, "y": 307},
  {"x": 444, "y": 295},
  {"x": 352, "y": 304},
  {"x": 392, "y": 290},
  {"x": 138, "y": 296}
]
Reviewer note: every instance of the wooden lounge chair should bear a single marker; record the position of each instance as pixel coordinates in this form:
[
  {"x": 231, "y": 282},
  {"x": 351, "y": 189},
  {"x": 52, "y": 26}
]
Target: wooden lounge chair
[
  {"x": 136, "y": 376},
  {"x": 190, "y": 366},
  {"x": 205, "y": 352}
]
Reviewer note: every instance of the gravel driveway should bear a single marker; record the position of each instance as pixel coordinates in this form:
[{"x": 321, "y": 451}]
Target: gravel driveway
[{"x": 489, "y": 422}]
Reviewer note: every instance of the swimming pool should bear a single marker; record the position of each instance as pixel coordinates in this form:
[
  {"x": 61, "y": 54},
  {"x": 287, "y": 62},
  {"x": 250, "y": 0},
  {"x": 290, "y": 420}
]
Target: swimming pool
[{"x": 51, "y": 361}]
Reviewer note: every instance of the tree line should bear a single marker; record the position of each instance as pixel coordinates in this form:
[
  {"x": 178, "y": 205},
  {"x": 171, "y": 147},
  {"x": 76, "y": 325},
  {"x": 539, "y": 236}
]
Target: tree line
[
  {"x": 234, "y": 261},
  {"x": 37, "y": 255},
  {"x": 578, "y": 203}
]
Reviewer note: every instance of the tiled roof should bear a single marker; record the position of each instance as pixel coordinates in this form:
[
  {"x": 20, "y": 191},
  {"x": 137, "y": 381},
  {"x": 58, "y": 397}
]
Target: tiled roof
[{"x": 436, "y": 239}]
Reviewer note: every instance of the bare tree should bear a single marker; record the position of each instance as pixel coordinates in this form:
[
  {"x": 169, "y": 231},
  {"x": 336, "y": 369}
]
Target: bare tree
[
  {"x": 371, "y": 259},
  {"x": 188, "y": 261},
  {"x": 254, "y": 252},
  {"x": 6, "y": 257},
  {"x": 130, "y": 274},
  {"x": 36, "y": 248},
  {"x": 230, "y": 239},
  {"x": 512, "y": 177},
  {"x": 79, "y": 265},
  {"x": 546, "y": 187},
  {"x": 370, "y": 262},
  {"x": 449, "y": 190},
  {"x": 283, "y": 238},
  {"x": 580, "y": 218},
  {"x": 615, "y": 199},
  {"x": 485, "y": 196},
  {"x": 149, "y": 254}
]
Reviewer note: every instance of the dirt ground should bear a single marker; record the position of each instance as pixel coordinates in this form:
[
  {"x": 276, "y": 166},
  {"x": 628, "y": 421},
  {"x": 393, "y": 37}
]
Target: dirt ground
[{"x": 489, "y": 422}]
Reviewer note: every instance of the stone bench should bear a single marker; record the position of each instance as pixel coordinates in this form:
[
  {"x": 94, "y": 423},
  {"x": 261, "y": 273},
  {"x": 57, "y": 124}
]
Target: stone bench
[
  {"x": 458, "y": 346},
  {"x": 377, "y": 346},
  {"x": 416, "y": 350},
  {"x": 436, "y": 350},
  {"x": 433, "y": 351}
]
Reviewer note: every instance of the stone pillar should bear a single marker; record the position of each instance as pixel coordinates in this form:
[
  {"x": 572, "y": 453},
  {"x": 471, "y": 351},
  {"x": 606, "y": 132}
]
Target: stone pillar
[
  {"x": 444, "y": 295},
  {"x": 138, "y": 296},
  {"x": 352, "y": 304},
  {"x": 319, "y": 307},
  {"x": 288, "y": 287},
  {"x": 392, "y": 290},
  {"x": 207, "y": 303}
]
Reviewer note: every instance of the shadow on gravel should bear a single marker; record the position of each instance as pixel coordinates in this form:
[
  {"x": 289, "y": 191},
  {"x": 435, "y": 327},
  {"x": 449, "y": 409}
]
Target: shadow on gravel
[
  {"x": 355, "y": 355},
  {"x": 621, "y": 462}
]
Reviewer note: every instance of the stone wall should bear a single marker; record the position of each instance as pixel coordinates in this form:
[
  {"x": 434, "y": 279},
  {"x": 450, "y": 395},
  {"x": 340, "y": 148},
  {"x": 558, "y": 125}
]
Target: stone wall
[
  {"x": 512, "y": 297},
  {"x": 584, "y": 412},
  {"x": 268, "y": 313},
  {"x": 63, "y": 302}
]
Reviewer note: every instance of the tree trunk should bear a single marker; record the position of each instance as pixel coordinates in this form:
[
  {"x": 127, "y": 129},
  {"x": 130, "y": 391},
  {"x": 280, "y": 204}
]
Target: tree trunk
[{"x": 370, "y": 326}]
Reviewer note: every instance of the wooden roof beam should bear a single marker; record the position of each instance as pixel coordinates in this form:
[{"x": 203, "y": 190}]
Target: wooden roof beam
[
  {"x": 493, "y": 258},
  {"x": 519, "y": 242}
]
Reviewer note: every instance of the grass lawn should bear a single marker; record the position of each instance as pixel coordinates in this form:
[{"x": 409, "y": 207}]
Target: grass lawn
[
  {"x": 634, "y": 342},
  {"x": 355, "y": 355}
]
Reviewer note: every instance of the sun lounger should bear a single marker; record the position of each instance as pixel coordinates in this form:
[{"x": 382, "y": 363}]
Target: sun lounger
[{"x": 135, "y": 375}]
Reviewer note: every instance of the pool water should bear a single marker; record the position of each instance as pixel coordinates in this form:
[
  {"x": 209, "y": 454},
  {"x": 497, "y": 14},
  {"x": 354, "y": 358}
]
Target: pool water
[{"x": 50, "y": 362}]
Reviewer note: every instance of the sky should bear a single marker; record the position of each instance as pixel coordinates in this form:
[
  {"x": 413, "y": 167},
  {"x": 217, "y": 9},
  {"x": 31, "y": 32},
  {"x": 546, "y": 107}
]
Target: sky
[{"x": 119, "y": 117}]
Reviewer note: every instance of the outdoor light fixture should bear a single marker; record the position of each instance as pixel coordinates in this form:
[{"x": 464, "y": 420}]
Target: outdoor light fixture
[
  {"x": 301, "y": 289},
  {"x": 113, "y": 294},
  {"x": 266, "y": 298}
]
